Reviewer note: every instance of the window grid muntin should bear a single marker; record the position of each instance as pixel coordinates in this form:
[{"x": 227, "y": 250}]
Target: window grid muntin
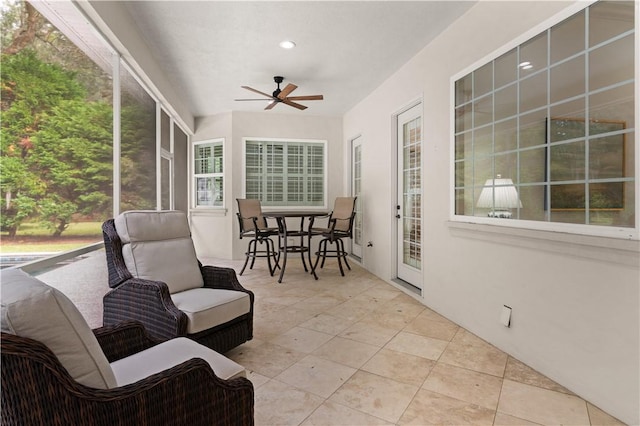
[{"x": 465, "y": 125}]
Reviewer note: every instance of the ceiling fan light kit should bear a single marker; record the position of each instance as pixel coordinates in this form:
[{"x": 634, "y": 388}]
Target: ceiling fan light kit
[{"x": 282, "y": 95}]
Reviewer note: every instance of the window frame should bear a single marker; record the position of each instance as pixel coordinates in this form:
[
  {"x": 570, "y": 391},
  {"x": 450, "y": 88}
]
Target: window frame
[
  {"x": 629, "y": 233},
  {"x": 266, "y": 206},
  {"x": 195, "y": 176}
]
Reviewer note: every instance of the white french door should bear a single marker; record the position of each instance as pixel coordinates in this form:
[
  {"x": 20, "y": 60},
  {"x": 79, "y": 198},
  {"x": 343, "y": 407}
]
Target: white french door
[
  {"x": 409, "y": 202},
  {"x": 356, "y": 191}
]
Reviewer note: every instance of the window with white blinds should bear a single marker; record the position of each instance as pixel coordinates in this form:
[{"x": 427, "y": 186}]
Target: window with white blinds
[{"x": 285, "y": 173}]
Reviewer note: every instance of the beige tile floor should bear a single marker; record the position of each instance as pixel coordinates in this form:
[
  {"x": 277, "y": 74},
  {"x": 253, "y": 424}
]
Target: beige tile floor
[{"x": 355, "y": 350}]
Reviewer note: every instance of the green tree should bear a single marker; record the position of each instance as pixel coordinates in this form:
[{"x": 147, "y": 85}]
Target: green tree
[
  {"x": 56, "y": 130},
  {"x": 29, "y": 89},
  {"x": 74, "y": 156}
]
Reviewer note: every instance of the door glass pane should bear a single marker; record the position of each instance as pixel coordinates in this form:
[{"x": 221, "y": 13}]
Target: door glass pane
[
  {"x": 412, "y": 188},
  {"x": 357, "y": 185}
]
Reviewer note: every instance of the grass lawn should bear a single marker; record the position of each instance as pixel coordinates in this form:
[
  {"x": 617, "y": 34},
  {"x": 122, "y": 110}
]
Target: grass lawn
[{"x": 33, "y": 237}]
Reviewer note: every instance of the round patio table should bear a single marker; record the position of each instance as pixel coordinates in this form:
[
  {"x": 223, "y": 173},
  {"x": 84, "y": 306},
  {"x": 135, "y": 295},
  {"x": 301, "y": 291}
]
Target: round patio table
[{"x": 300, "y": 231}]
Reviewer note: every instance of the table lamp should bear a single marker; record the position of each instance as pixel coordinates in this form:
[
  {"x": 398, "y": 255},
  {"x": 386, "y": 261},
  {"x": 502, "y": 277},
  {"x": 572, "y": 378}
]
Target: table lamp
[{"x": 500, "y": 196}]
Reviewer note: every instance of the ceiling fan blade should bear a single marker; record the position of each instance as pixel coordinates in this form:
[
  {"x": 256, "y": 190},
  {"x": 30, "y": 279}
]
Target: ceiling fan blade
[
  {"x": 262, "y": 100},
  {"x": 290, "y": 88},
  {"x": 306, "y": 98},
  {"x": 293, "y": 104},
  {"x": 257, "y": 91},
  {"x": 271, "y": 104}
]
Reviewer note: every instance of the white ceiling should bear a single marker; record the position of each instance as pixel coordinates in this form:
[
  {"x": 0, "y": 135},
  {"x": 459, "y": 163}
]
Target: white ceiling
[{"x": 345, "y": 49}]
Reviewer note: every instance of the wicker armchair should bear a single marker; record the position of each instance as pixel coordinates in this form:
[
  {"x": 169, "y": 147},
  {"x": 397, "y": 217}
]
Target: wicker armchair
[
  {"x": 153, "y": 301},
  {"x": 38, "y": 390}
]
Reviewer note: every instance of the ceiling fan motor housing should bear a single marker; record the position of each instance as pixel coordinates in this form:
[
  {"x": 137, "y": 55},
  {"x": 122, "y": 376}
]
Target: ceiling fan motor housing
[{"x": 278, "y": 79}]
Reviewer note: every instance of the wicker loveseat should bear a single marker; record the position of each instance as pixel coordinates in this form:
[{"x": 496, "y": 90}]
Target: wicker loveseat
[
  {"x": 156, "y": 279},
  {"x": 56, "y": 371}
]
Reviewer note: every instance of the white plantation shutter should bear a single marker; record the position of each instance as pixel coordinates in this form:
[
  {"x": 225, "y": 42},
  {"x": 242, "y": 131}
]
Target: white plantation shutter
[{"x": 285, "y": 173}]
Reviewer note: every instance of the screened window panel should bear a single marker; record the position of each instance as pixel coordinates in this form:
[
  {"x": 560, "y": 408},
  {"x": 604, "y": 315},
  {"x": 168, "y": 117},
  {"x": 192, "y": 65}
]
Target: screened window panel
[{"x": 137, "y": 145}]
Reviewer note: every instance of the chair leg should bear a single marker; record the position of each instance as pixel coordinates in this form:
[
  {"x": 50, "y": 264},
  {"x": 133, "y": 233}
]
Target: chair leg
[
  {"x": 315, "y": 264},
  {"x": 267, "y": 241},
  {"x": 246, "y": 259},
  {"x": 344, "y": 253},
  {"x": 254, "y": 244},
  {"x": 272, "y": 253},
  {"x": 339, "y": 256}
]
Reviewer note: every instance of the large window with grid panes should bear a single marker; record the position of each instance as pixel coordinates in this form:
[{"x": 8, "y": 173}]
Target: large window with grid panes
[
  {"x": 208, "y": 173},
  {"x": 545, "y": 132},
  {"x": 285, "y": 173}
]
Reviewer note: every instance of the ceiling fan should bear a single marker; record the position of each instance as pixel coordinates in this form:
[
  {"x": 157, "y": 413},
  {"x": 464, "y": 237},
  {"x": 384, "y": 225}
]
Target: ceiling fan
[{"x": 282, "y": 96}]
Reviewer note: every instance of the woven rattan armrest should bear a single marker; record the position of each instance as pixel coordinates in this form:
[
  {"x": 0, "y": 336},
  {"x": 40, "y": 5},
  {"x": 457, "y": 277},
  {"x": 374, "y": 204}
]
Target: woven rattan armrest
[
  {"x": 219, "y": 277},
  {"x": 148, "y": 302},
  {"x": 123, "y": 340}
]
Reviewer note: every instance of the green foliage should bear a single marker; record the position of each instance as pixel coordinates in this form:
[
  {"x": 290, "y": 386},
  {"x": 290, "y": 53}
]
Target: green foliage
[
  {"x": 74, "y": 156},
  {"x": 56, "y": 146},
  {"x": 56, "y": 131}
]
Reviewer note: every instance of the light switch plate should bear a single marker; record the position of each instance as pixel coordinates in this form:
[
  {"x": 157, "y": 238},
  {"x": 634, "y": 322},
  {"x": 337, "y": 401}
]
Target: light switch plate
[{"x": 505, "y": 316}]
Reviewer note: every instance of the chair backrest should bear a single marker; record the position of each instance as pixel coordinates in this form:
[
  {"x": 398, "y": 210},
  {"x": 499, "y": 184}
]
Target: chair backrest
[
  {"x": 32, "y": 309},
  {"x": 157, "y": 245},
  {"x": 249, "y": 209},
  {"x": 343, "y": 212}
]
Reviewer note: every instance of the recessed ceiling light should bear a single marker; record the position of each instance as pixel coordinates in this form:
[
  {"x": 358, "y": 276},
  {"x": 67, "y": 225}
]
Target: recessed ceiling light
[{"x": 287, "y": 44}]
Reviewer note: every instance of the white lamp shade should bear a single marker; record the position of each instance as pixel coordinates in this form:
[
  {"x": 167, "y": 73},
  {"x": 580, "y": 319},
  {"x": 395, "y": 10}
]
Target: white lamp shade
[{"x": 499, "y": 194}]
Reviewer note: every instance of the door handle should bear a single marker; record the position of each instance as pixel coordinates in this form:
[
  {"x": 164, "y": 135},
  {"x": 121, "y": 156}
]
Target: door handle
[{"x": 397, "y": 216}]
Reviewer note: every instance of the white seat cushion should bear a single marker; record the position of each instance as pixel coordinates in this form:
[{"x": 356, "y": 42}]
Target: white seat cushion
[
  {"x": 157, "y": 245},
  {"x": 32, "y": 309},
  {"x": 209, "y": 307},
  {"x": 169, "y": 354}
]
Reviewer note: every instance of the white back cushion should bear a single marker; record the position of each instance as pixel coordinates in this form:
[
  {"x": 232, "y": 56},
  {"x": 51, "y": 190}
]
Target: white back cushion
[
  {"x": 157, "y": 245},
  {"x": 32, "y": 309}
]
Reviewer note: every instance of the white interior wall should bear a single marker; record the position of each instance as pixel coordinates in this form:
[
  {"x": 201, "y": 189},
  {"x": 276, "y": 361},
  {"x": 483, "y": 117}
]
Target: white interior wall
[
  {"x": 575, "y": 299},
  {"x": 216, "y": 232},
  {"x": 213, "y": 228}
]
